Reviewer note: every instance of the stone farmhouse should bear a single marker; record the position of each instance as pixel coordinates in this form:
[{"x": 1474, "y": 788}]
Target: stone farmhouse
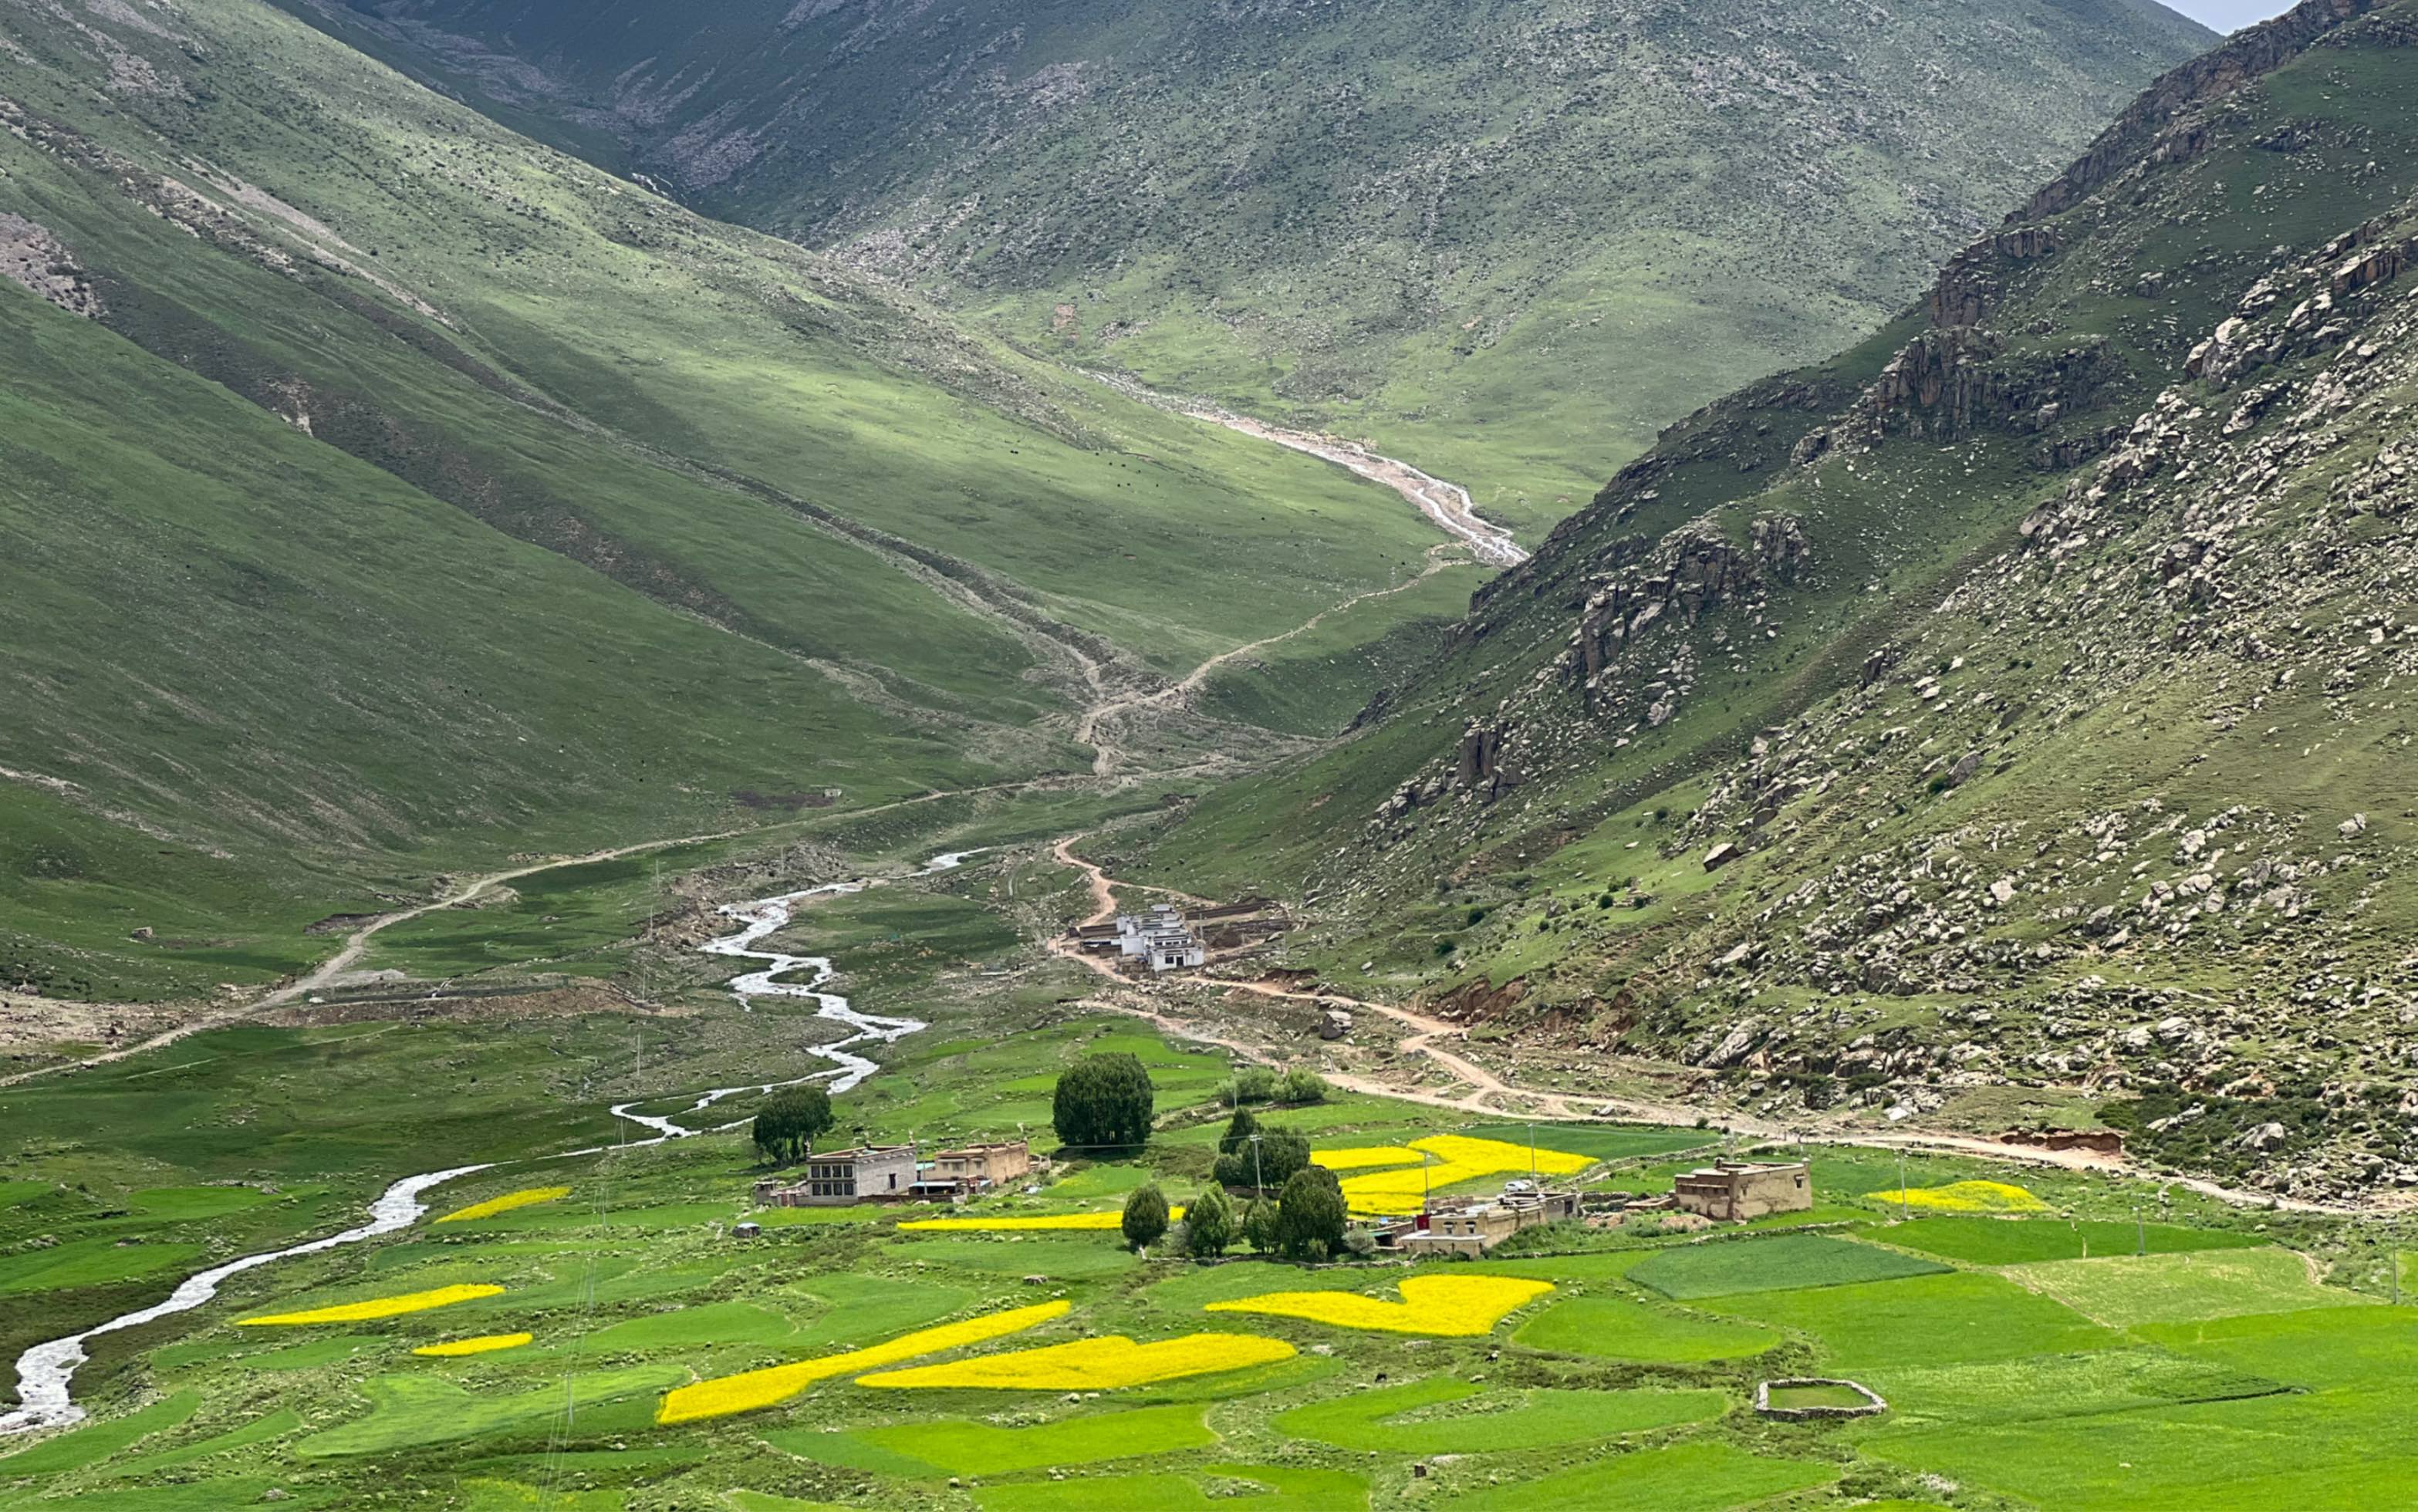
[{"x": 1733, "y": 1191}]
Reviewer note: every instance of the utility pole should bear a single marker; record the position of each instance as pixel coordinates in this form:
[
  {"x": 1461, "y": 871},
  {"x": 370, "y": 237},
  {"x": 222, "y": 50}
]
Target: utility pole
[
  {"x": 1532, "y": 1152},
  {"x": 1427, "y": 1159},
  {"x": 2140, "y": 1233},
  {"x": 1902, "y": 1204},
  {"x": 1258, "y": 1182}
]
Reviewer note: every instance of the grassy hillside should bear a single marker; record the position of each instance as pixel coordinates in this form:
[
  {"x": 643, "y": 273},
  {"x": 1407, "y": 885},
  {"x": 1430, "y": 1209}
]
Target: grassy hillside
[
  {"x": 388, "y": 495},
  {"x": 1507, "y": 240},
  {"x": 2001, "y": 716}
]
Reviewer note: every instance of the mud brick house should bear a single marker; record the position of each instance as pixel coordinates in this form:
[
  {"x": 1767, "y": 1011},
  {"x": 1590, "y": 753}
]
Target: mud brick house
[
  {"x": 974, "y": 1168},
  {"x": 1732, "y": 1191}
]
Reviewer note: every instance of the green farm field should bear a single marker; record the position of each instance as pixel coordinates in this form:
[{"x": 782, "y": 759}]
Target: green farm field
[
  {"x": 579, "y": 1319},
  {"x": 2015, "y": 1369}
]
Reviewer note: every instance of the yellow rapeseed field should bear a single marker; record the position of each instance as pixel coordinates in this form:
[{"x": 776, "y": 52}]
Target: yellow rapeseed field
[
  {"x": 753, "y": 1389},
  {"x": 483, "y": 1344},
  {"x": 1103, "y": 1364},
  {"x": 527, "y": 1196},
  {"x": 1457, "y": 1157},
  {"x": 1108, "y": 1220},
  {"x": 354, "y": 1313},
  {"x": 1445, "y": 1305},
  {"x": 1965, "y": 1197}
]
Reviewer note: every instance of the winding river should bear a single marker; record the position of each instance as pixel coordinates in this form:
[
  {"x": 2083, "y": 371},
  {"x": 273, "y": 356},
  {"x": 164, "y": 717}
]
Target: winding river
[{"x": 46, "y": 1371}]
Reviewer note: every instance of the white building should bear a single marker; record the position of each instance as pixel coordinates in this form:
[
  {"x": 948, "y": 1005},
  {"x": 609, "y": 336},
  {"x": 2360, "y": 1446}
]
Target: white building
[{"x": 1160, "y": 937}]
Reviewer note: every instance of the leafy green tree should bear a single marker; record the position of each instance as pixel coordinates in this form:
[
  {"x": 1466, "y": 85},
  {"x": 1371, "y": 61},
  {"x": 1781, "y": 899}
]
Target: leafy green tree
[
  {"x": 1208, "y": 1225},
  {"x": 1252, "y": 1084},
  {"x": 1301, "y": 1085},
  {"x": 1103, "y": 1102},
  {"x": 1239, "y": 1130},
  {"x": 1145, "y": 1217},
  {"x": 789, "y": 1124},
  {"x": 1311, "y": 1216},
  {"x": 1260, "y": 1226}
]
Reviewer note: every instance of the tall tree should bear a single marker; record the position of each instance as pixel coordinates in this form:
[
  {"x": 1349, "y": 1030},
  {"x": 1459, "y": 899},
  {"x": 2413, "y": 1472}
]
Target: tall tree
[
  {"x": 1208, "y": 1225},
  {"x": 1260, "y": 1226},
  {"x": 1239, "y": 1130},
  {"x": 1311, "y": 1216},
  {"x": 1145, "y": 1217},
  {"x": 1103, "y": 1102},
  {"x": 790, "y": 1122},
  {"x": 1269, "y": 1162}
]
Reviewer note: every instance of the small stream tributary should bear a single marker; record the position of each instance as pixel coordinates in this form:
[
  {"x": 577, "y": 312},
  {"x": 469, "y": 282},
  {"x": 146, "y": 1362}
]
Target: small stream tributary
[{"x": 46, "y": 1371}]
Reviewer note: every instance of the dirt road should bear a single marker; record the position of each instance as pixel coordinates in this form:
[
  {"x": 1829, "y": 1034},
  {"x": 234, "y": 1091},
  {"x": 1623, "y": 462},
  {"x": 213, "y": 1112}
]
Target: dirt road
[
  {"x": 1106, "y": 757},
  {"x": 1447, "y": 504},
  {"x": 356, "y": 943},
  {"x": 1493, "y": 1096}
]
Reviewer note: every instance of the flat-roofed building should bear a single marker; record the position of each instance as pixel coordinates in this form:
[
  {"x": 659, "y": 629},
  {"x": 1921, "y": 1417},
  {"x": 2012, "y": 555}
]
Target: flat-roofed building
[
  {"x": 835, "y": 1178},
  {"x": 1161, "y": 938},
  {"x": 1733, "y": 1191},
  {"x": 1471, "y": 1230},
  {"x": 974, "y": 1168}
]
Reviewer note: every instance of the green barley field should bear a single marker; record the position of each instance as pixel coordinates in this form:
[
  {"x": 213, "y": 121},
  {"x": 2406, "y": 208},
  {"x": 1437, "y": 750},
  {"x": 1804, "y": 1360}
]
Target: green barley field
[{"x": 2199, "y": 1356}]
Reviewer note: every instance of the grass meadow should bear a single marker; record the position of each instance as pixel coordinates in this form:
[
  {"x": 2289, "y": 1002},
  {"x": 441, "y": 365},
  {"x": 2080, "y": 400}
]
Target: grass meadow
[{"x": 2029, "y": 1360}]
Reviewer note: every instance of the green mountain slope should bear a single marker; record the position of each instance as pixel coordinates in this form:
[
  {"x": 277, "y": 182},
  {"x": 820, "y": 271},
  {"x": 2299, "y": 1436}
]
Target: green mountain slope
[
  {"x": 387, "y": 494},
  {"x": 2002, "y": 717},
  {"x": 1508, "y": 240}
]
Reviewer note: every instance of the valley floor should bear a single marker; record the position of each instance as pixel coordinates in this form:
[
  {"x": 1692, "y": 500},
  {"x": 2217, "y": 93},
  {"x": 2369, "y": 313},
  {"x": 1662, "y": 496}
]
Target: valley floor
[{"x": 2028, "y": 1356}]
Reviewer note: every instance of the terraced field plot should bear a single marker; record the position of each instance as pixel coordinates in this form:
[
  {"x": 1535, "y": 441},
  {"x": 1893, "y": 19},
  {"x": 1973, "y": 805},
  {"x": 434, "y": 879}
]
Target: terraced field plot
[
  {"x": 1958, "y": 1318},
  {"x": 1694, "y": 1477},
  {"x": 1441, "y": 1415},
  {"x": 2166, "y": 1289},
  {"x": 1433, "y": 1305},
  {"x": 953, "y": 1448},
  {"x": 2020, "y": 1240},
  {"x": 1627, "y": 1328},
  {"x": 1720, "y": 1268},
  {"x": 841, "y": 1360}
]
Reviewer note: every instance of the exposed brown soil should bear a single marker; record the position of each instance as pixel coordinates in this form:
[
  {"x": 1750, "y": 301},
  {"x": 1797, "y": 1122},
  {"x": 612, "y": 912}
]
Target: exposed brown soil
[
  {"x": 30, "y": 1025},
  {"x": 403, "y": 1004}
]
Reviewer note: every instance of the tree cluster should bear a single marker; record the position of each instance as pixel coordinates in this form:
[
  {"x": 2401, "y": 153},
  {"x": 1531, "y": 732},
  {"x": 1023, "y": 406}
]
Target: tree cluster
[
  {"x": 1260, "y": 1084},
  {"x": 1279, "y": 1153}
]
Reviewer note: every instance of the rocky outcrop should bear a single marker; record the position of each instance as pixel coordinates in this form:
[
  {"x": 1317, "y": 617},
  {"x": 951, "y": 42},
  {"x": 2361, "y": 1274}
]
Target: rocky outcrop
[
  {"x": 1969, "y": 286},
  {"x": 2149, "y": 125},
  {"x": 31, "y": 257},
  {"x": 1695, "y": 567},
  {"x": 1954, "y": 380}
]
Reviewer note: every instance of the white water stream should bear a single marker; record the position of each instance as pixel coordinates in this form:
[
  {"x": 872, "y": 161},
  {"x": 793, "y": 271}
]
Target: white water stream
[{"x": 46, "y": 1371}]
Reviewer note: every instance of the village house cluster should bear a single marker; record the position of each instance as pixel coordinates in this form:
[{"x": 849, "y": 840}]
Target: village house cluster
[
  {"x": 1727, "y": 1191},
  {"x": 894, "y": 1173}
]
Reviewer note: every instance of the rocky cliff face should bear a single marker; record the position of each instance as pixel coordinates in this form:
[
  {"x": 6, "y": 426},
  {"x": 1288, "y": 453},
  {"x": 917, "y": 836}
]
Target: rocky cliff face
[{"x": 2013, "y": 701}]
